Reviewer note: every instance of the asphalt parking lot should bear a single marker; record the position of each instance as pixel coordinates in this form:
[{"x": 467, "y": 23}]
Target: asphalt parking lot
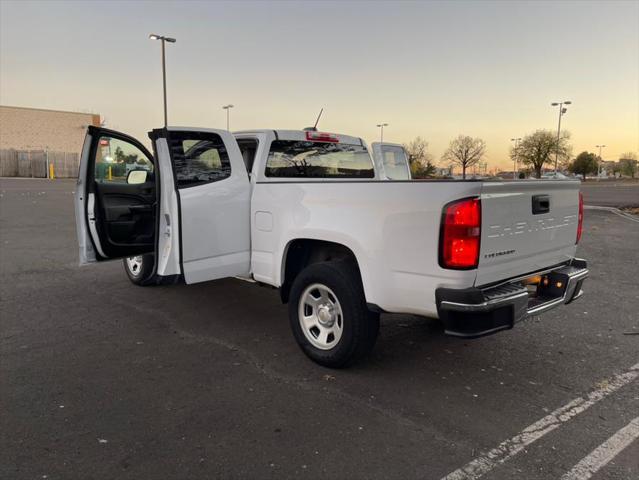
[
  {"x": 101, "y": 379},
  {"x": 611, "y": 193}
]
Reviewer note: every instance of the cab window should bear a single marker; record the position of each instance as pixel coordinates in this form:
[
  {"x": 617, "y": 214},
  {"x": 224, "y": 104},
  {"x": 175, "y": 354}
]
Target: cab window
[{"x": 198, "y": 158}]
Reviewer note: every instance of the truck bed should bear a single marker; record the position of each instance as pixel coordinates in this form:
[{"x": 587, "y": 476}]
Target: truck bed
[{"x": 393, "y": 229}]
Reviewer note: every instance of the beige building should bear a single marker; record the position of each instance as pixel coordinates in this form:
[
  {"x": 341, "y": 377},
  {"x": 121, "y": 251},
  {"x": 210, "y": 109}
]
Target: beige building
[{"x": 39, "y": 129}]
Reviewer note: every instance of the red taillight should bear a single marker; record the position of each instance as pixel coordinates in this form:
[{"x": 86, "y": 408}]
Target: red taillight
[
  {"x": 580, "y": 223},
  {"x": 322, "y": 137},
  {"x": 460, "y": 234}
]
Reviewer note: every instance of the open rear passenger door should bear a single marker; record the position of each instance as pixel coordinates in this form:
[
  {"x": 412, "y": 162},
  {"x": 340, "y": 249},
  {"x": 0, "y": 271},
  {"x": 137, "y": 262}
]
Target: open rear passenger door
[{"x": 189, "y": 204}]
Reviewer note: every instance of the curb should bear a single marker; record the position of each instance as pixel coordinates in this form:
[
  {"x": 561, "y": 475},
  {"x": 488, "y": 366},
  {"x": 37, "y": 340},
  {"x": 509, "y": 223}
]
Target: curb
[{"x": 616, "y": 211}]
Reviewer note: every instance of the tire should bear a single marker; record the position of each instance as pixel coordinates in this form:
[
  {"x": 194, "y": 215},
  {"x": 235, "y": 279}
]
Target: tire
[
  {"x": 139, "y": 269},
  {"x": 339, "y": 329}
]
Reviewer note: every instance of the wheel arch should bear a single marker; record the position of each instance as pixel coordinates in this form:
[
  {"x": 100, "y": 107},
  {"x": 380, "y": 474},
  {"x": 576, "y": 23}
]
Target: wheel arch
[{"x": 301, "y": 252}]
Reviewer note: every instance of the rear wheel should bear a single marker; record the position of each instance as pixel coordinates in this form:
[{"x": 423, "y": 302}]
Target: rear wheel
[
  {"x": 328, "y": 314},
  {"x": 139, "y": 268}
]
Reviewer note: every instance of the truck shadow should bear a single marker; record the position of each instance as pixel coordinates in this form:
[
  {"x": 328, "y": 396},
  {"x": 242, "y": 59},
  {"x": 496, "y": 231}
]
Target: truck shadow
[{"x": 253, "y": 319}]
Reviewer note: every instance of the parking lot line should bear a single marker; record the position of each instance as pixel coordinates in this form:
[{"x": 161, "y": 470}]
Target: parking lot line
[
  {"x": 614, "y": 210},
  {"x": 605, "y": 452},
  {"x": 511, "y": 447}
]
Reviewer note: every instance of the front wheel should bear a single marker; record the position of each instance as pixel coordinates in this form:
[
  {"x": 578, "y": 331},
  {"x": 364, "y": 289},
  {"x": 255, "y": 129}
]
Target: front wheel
[
  {"x": 328, "y": 314},
  {"x": 139, "y": 268}
]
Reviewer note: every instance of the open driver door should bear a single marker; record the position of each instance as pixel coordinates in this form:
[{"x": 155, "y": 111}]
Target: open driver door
[{"x": 188, "y": 205}]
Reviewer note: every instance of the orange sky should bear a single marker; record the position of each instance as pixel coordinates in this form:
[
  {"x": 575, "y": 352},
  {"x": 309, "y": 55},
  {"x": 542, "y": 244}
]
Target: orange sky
[{"x": 435, "y": 69}]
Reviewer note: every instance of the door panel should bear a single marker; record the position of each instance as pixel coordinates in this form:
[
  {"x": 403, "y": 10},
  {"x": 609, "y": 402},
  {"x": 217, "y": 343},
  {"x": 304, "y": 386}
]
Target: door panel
[
  {"x": 83, "y": 202},
  {"x": 168, "y": 244},
  {"x": 114, "y": 218},
  {"x": 127, "y": 214},
  {"x": 213, "y": 193}
]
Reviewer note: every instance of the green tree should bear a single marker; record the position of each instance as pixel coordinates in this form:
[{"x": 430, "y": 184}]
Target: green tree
[
  {"x": 628, "y": 163},
  {"x": 465, "y": 151},
  {"x": 585, "y": 163},
  {"x": 540, "y": 148},
  {"x": 131, "y": 158},
  {"x": 419, "y": 159},
  {"x": 616, "y": 169},
  {"x": 119, "y": 155}
]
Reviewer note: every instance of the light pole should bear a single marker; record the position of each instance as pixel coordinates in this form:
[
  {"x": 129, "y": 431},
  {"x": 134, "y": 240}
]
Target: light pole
[
  {"x": 600, "y": 159},
  {"x": 381, "y": 126},
  {"x": 516, "y": 140},
  {"x": 227, "y": 108},
  {"x": 562, "y": 110},
  {"x": 153, "y": 36}
]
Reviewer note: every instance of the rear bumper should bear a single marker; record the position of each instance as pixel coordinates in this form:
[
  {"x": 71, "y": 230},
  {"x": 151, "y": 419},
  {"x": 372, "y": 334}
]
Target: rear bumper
[{"x": 475, "y": 312}]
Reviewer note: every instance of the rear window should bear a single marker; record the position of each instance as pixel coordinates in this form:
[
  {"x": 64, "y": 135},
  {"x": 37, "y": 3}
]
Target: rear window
[{"x": 301, "y": 159}]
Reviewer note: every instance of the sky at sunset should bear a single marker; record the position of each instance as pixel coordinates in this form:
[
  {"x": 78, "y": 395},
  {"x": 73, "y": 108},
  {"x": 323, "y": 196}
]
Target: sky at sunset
[{"x": 434, "y": 69}]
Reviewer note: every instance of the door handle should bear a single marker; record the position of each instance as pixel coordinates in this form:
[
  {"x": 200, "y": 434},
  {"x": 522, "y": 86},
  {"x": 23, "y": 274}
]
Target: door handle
[{"x": 540, "y": 204}]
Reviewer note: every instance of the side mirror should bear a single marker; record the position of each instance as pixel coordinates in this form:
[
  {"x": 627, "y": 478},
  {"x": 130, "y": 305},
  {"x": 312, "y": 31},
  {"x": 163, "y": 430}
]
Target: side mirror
[{"x": 136, "y": 177}]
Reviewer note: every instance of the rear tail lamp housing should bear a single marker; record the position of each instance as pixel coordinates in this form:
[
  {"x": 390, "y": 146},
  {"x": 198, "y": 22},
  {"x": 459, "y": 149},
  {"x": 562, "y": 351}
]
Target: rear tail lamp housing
[
  {"x": 580, "y": 222},
  {"x": 460, "y": 234}
]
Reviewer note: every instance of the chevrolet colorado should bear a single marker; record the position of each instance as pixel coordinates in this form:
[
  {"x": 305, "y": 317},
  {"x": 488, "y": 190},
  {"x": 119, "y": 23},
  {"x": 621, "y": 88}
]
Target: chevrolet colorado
[{"x": 309, "y": 213}]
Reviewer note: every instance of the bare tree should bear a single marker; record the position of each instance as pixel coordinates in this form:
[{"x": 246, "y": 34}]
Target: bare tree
[
  {"x": 420, "y": 160},
  {"x": 537, "y": 149},
  {"x": 465, "y": 151}
]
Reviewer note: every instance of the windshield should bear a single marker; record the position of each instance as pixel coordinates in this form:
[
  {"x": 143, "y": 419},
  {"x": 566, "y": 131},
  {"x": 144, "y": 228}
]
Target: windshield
[{"x": 294, "y": 159}]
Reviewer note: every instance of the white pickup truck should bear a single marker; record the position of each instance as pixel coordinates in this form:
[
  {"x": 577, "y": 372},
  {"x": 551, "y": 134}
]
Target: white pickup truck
[{"x": 309, "y": 213}]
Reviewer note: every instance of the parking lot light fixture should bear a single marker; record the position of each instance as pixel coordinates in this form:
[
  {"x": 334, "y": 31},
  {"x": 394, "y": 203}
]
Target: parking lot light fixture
[
  {"x": 562, "y": 111},
  {"x": 516, "y": 140},
  {"x": 163, "y": 39},
  {"x": 600, "y": 160},
  {"x": 227, "y": 108},
  {"x": 381, "y": 126}
]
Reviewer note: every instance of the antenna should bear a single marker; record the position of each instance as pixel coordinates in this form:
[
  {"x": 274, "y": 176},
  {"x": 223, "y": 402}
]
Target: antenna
[
  {"x": 314, "y": 127},
  {"x": 318, "y": 117}
]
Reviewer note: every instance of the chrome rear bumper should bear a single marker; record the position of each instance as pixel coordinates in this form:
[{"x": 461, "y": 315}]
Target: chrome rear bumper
[{"x": 476, "y": 312}]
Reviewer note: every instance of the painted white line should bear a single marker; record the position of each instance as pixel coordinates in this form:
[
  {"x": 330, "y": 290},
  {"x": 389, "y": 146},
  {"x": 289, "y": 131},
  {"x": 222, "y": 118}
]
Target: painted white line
[
  {"x": 511, "y": 447},
  {"x": 605, "y": 452},
  {"x": 614, "y": 210}
]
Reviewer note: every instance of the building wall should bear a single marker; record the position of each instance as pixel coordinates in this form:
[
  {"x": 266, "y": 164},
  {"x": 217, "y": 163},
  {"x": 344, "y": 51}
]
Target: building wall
[{"x": 38, "y": 129}]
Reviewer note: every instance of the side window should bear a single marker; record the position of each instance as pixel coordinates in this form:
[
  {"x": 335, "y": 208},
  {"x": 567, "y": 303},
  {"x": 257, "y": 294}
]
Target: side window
[
  {"x": 198, "y": 158},
  {"x": 115, "y": 158},
  {"x": 395, "y": 162},
  {"x": 248, "y": 148}
]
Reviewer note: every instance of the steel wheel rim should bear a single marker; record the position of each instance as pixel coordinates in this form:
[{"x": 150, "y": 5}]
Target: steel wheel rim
[
  {"x": 134, "y": 265},
  {"x": 320, "y": 315}
]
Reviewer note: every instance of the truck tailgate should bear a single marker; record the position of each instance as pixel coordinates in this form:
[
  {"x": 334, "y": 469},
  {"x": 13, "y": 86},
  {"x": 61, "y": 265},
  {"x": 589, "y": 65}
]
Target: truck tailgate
[{"x": 527, "y": 226}]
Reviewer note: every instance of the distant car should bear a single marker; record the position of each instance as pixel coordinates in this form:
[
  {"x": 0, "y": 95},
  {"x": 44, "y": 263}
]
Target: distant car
[{"x": 555, "y": 176}]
